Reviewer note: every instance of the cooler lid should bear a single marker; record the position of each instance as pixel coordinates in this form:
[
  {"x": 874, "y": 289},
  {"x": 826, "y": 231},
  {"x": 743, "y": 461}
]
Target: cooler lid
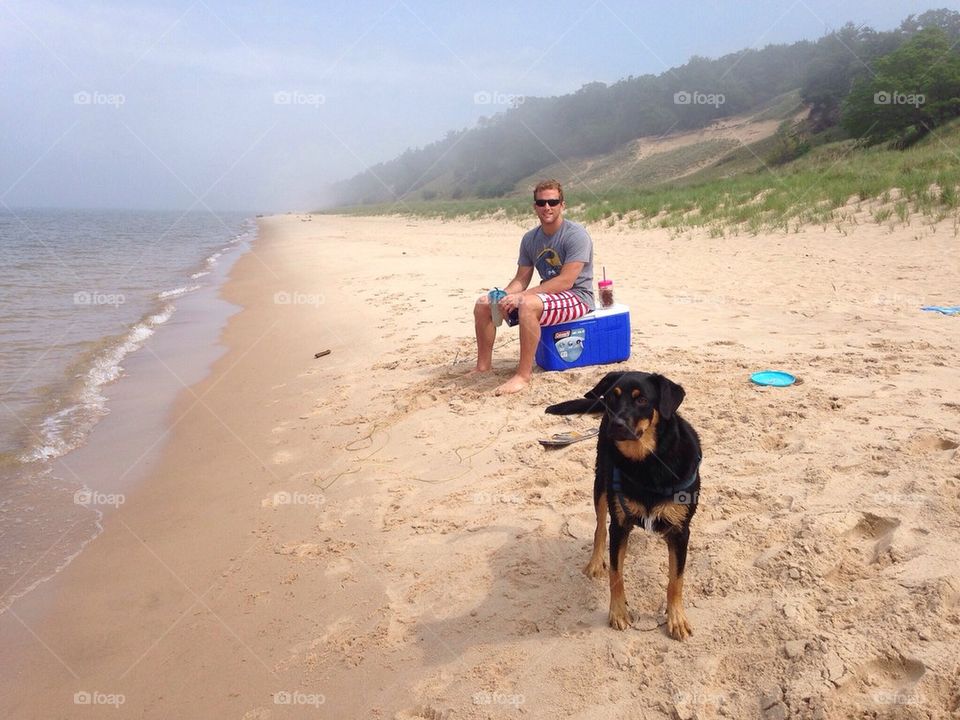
[{"x": 614, "y": 309}]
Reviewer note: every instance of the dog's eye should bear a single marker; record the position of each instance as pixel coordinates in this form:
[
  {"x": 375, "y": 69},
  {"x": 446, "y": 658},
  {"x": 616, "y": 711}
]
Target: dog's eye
[{"x": 641, "y": 401}]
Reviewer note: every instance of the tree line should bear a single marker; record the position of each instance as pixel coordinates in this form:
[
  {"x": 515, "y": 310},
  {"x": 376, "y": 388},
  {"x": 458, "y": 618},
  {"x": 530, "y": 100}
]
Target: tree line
[{"x": 893, "y": 85}]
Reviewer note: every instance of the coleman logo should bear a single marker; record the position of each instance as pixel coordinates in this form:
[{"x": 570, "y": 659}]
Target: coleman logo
[{"x": 569, "y": 344}]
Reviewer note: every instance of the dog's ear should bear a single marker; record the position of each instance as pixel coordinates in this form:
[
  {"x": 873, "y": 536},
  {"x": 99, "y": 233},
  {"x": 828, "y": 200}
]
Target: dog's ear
[
  {"x": 602, "y": 387},
  {"x": 580, "y": 406},
  {"x": 671, "y": 395}
]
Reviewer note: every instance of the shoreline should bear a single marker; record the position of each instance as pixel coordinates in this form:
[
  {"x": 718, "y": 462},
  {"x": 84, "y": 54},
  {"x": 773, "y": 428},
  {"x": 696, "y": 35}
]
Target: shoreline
[
  {"x": 123, "y": 390},
  {"x": 375, "y": 520}
]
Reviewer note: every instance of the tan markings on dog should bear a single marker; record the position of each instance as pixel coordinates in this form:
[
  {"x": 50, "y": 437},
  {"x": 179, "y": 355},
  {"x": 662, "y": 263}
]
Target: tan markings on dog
[
  {"x": 677, "y": 625},
  {"x": 619, "y": 615},
  {"x": 671, "y": 512},
  {"x": 617, "y": 391},
  {"x": 597, "y": 565},
  {"x": 635, "y": 394},
  {"x": 634, "y": 508},
  {"x": 646, "y": 442}
]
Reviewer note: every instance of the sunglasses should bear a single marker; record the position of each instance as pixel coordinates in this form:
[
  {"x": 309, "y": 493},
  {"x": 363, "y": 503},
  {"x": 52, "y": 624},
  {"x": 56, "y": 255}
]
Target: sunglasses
[{"x": 552, "y": 202}]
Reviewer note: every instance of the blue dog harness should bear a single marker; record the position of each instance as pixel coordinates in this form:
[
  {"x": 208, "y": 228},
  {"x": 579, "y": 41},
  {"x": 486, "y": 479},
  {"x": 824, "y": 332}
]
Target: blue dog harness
[{"x": 639, "y": 521}]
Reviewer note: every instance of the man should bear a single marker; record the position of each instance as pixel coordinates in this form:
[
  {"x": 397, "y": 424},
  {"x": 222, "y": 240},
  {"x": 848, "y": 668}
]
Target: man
[{"x": 562, "y": 253}]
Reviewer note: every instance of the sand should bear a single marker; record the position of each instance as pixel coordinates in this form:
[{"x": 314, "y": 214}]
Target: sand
[{"x": 372, "y": 534}]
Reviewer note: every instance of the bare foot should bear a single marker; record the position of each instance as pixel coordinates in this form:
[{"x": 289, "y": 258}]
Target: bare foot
[
  {"x": 513, "y": 385},
  {"x": 476, "y": 371}
]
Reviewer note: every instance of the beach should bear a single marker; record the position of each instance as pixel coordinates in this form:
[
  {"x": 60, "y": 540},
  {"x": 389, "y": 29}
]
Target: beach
[{"x": 374, "y": 534}]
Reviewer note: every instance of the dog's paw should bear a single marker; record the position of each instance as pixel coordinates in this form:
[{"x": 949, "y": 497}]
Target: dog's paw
[
  {"x": 619, "y": 617},
  {"x": 677, "y": 625},
  {"x": 596, "y": 568}
]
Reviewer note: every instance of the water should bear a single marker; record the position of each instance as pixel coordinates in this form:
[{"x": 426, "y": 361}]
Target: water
[{"x": 79, "y": 292}]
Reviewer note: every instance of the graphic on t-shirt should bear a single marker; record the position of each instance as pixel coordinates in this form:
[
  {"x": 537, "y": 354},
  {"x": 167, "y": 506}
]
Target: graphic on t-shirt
[{"x": 548, "y": 263}]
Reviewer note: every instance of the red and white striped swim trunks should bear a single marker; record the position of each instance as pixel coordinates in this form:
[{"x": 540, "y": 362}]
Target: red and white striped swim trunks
[{"x": 561, "y": 307}]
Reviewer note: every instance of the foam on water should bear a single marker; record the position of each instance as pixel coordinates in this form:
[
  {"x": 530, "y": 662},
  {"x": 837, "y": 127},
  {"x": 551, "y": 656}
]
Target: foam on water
[
  {"x": 177, "y": 292},
  {"x": 66, "y": 428},
  {"x": 82, "y": 291}
]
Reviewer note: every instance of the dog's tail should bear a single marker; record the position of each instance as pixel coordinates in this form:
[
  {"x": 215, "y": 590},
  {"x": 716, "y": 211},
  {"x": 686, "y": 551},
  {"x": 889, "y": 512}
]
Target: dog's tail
[{"x": 576, "y": 407}]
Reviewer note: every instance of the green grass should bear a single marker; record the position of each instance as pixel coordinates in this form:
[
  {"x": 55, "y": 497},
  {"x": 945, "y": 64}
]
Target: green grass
[{"x": 815, "y": 189}]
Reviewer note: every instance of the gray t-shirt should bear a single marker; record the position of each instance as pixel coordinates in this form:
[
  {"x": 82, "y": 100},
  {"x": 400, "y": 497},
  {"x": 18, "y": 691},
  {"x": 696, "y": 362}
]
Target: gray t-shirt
[{"x": 548, "y": 253}]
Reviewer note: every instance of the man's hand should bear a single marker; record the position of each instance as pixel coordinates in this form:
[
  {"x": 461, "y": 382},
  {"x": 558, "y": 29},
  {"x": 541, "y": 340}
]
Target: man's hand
[{"x": 510, "y": 302}]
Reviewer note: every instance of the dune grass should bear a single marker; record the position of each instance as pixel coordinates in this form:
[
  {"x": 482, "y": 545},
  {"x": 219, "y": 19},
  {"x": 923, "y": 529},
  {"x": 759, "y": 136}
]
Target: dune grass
[{"x": 824, "y": 187}]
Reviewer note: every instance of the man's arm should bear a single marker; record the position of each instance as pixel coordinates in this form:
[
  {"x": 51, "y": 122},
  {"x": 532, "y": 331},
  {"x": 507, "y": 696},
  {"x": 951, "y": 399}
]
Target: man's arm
[
  {"x": 515, "y": 288},
  {"x": 521, "y": 281}
]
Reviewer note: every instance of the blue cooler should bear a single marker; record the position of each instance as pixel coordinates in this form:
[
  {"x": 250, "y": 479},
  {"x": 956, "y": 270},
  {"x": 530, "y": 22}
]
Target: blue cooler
[{"x": 602, "y": 336}]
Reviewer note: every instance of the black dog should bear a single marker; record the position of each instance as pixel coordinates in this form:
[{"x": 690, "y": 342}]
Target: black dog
[{"x": 648, "y": 474}]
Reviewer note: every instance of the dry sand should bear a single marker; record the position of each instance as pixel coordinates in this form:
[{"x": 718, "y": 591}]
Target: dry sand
[{"x": 372, "y": 535}]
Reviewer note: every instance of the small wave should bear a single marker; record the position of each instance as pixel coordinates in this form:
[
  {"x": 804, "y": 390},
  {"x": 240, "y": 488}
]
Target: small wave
[
  {"x": 177, "y": 292},
  {"x": 65, "y": 429},
  {"x": 247, "y": 234},
  {"x": 198, "y": 275}
]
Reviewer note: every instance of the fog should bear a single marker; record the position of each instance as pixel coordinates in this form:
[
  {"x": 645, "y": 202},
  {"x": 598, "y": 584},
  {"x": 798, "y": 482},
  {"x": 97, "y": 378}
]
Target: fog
[{"x": 258, "y": 107}]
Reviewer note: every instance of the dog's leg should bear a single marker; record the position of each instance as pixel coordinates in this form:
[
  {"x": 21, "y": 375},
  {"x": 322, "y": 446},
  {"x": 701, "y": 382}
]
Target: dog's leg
[
  {"x": 677, "y": 625},
  {"x": 619, "y": 615},
  {"x": 598, "y": 563}
]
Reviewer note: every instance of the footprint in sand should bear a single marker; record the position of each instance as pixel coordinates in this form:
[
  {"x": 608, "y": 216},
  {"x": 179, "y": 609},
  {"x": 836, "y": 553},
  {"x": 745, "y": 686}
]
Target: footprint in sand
[
  {"x": 876, "y": 531},
  {"x": 339, "y": 566},
  {"x": 891, "y": 680},
  {"x": 862, "y": 549},
  {"x": 927, "y": 443}
]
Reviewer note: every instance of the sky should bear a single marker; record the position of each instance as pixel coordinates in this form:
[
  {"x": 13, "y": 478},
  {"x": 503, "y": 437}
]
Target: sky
[{"x": 257, "y": 107}]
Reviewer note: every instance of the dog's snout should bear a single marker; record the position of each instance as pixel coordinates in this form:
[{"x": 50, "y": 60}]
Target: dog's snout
[{"x": 622, "y": 428}]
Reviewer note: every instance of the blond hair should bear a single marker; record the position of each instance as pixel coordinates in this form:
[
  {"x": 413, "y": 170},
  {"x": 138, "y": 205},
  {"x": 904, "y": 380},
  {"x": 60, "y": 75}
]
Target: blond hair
[{"x": 548, "y": 185}]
